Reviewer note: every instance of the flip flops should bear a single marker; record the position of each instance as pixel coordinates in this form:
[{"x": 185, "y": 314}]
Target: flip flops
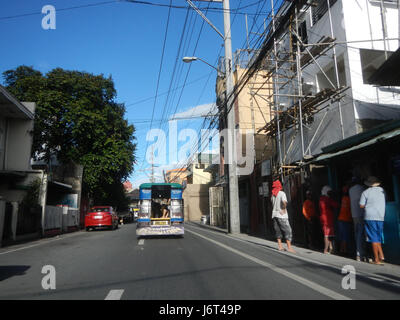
[{"x": 377, "y": 263}]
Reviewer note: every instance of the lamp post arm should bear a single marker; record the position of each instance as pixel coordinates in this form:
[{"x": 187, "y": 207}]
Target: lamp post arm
[{"x": 219, "y": 71}]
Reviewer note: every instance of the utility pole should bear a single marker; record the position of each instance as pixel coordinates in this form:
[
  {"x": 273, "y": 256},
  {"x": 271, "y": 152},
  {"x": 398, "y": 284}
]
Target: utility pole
[{"x": 234, "y": 215}]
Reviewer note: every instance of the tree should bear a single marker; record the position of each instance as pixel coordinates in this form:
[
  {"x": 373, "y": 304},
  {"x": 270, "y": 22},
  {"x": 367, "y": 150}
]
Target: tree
[{"x": 77, "y": 119}]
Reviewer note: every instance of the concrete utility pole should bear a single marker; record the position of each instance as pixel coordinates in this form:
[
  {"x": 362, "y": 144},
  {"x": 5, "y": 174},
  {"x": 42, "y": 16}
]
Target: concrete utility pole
[{"x": 234, "y": 215}]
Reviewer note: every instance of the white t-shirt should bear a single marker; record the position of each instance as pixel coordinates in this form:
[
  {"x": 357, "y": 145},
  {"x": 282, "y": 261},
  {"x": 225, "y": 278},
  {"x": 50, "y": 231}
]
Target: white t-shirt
[
  {"x": 374, "y": 200},
  {"x": 277, "y": 206}
]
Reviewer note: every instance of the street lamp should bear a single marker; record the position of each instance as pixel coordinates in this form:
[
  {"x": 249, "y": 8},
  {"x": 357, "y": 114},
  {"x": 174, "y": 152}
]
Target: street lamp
[
  {"x": 234, "y": 217},
  {"x": 190, "y": 59}
]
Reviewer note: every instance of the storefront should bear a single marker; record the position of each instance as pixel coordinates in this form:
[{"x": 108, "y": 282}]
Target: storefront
[{"x": 375, "y": 152}]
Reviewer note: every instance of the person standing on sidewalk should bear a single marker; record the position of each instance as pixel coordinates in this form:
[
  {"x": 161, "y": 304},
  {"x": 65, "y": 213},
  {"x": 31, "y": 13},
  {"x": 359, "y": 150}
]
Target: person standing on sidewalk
[
  {"x": 280, "y": 216},
  {"x": 373, "y": 200},
  {"x": 310, "y": 215},
  {"x": 326, "y": 207},
  {"x": 344, "y": 221},
  {"x": 357, "y": 215}
]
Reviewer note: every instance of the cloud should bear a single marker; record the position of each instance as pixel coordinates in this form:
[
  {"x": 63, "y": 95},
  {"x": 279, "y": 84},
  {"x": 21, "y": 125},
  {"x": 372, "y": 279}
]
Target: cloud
[{"x": 200, "y": 111}]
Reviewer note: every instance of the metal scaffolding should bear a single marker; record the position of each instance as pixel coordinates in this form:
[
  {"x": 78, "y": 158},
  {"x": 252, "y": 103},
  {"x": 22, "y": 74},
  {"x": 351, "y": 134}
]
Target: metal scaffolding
[{"x": 288, "y": 54}]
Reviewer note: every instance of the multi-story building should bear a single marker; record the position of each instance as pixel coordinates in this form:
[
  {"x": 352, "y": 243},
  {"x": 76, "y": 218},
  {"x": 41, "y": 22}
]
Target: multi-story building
[
  {"x": 322, "y": 57},
  {"x": 326, "y": 52},
  {"x": 176, "y": 175},
  {"x": 252, "y": 107}
]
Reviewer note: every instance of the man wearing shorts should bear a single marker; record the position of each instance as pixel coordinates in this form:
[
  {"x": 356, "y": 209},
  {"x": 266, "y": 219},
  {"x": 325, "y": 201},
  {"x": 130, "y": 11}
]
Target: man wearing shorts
[
  {"x": 280, "y": 216},
  {"x": 373, "y": 201}
]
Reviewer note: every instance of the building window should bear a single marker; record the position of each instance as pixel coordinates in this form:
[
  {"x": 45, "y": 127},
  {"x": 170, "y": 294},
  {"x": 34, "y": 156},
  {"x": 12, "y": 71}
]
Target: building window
[
  {"x": 330, "y": 71},
  {"x": 371, "y": 60},
  {"x": 320, "y": 9}
]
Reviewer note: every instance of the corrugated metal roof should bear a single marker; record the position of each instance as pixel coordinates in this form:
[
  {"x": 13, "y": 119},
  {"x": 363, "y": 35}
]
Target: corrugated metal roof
[
  {"x": 361, "y": 137},
  {"x": 379, "y": 138}
]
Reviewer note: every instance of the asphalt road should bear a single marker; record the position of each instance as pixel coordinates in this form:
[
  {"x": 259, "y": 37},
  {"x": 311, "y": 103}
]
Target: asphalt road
[{"x": 204, "y": 265}]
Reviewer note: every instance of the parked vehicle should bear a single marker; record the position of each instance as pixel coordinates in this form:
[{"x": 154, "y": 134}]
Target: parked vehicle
[
  {"x": 100, "y": 217},
  {"x": 160, "y": 210}
]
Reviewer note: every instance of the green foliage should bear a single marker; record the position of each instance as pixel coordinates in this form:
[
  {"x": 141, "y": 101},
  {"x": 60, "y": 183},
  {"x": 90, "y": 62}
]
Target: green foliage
[{"x": 78, "y": 119}]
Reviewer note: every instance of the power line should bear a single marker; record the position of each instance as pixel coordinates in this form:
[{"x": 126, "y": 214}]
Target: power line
[
  {"x": 164, "y": 93},
  {"x": 170, "y": 6},
  {"x": 62, "y": 9},
  {"x": 159, "y": 74}
]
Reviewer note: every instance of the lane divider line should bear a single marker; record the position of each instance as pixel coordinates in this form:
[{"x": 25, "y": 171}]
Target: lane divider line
[
  {"x": 365, "y": 274},
  {"x": 325, "y": 291},
  {"x": 115, "y": 295}
]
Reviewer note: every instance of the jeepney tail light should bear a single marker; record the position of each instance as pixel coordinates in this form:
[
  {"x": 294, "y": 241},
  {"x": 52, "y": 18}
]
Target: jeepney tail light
[{"x": 176, "y": 209}]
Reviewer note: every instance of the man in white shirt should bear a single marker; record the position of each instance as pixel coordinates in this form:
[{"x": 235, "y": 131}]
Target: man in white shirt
[
  {"x": 280, "y": 216},
  {"x": 373, "y": 200}
]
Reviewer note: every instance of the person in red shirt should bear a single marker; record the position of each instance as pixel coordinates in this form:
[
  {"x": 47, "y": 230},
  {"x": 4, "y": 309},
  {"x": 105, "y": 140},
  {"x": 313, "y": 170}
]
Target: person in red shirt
[
  {"x": 310, "y": 215},
  {"x": 326, "y": 207},
  {"x": 344, "y": 221}
]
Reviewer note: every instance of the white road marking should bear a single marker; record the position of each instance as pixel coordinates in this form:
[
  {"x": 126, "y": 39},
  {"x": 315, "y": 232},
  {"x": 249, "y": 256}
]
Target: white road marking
[
  {"x": 141, "y": 242},
  {"x": 44, "y": 241},
  {"x": 31, "y": 246},
  {"x": 371, "y": 276},
  {"x": 114, "y": 295},
  {"x": 308, "y": 283}
]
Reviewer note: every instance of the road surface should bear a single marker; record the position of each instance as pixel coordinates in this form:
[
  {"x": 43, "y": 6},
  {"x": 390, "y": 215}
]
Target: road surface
[{"x": 204, "y": 265}]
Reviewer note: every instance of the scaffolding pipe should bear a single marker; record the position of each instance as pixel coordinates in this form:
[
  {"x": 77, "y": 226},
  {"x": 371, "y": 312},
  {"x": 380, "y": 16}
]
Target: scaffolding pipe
[
  {"x": 336, "y": 68},
  {"x": 300, "y": 89},
  {"x": 277, "y": 90},
  {"x": 384, "y": 31}
]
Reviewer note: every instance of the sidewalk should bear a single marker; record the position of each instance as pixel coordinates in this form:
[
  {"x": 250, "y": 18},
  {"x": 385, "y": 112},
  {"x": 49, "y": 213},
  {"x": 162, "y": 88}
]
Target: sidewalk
[{"x": 388, "y": 272}]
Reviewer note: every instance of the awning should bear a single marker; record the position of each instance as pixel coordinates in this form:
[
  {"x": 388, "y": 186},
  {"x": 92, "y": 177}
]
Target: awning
[{"x": 377, "y": 139}]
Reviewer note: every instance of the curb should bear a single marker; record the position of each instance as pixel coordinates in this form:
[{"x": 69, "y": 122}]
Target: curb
[
  {"x": 386, "y": 273},
  {"x": 207, "y": 226}
]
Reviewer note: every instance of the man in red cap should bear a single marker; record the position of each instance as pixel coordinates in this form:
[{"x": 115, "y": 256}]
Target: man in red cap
[{"x": 280, "y": 216}]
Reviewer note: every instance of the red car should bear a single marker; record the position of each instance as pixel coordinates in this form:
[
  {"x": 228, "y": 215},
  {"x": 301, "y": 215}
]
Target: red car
[{"x": 101, "y": 217}]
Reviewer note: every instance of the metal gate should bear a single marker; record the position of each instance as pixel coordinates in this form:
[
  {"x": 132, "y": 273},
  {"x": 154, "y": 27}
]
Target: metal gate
[{"x": 217, "y": 209}]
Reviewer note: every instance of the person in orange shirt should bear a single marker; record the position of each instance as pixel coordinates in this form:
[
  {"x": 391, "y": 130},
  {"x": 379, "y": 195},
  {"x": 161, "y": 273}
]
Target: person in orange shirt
[
  {"x": 344, "y": 221},
  {"x": 310, "y": 215}
]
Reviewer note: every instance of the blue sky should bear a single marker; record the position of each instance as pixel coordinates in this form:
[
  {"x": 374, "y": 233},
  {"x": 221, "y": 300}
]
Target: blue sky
[{"x": 125, "y": 40}]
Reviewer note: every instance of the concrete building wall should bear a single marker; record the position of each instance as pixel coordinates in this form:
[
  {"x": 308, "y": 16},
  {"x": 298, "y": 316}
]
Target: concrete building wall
[
  {"x": 18, "y": 144},
  {"x": 195, "y": 197},
  {"x": 253, "y": 109},
  {"x": 201, "y": 177},
  {"x": 365, "y": 23},
  {"x": 2, "y": 141}
]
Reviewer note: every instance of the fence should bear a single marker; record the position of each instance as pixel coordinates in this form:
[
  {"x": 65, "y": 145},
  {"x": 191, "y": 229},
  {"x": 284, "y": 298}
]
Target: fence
[{"x": 60, "y": 219}]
